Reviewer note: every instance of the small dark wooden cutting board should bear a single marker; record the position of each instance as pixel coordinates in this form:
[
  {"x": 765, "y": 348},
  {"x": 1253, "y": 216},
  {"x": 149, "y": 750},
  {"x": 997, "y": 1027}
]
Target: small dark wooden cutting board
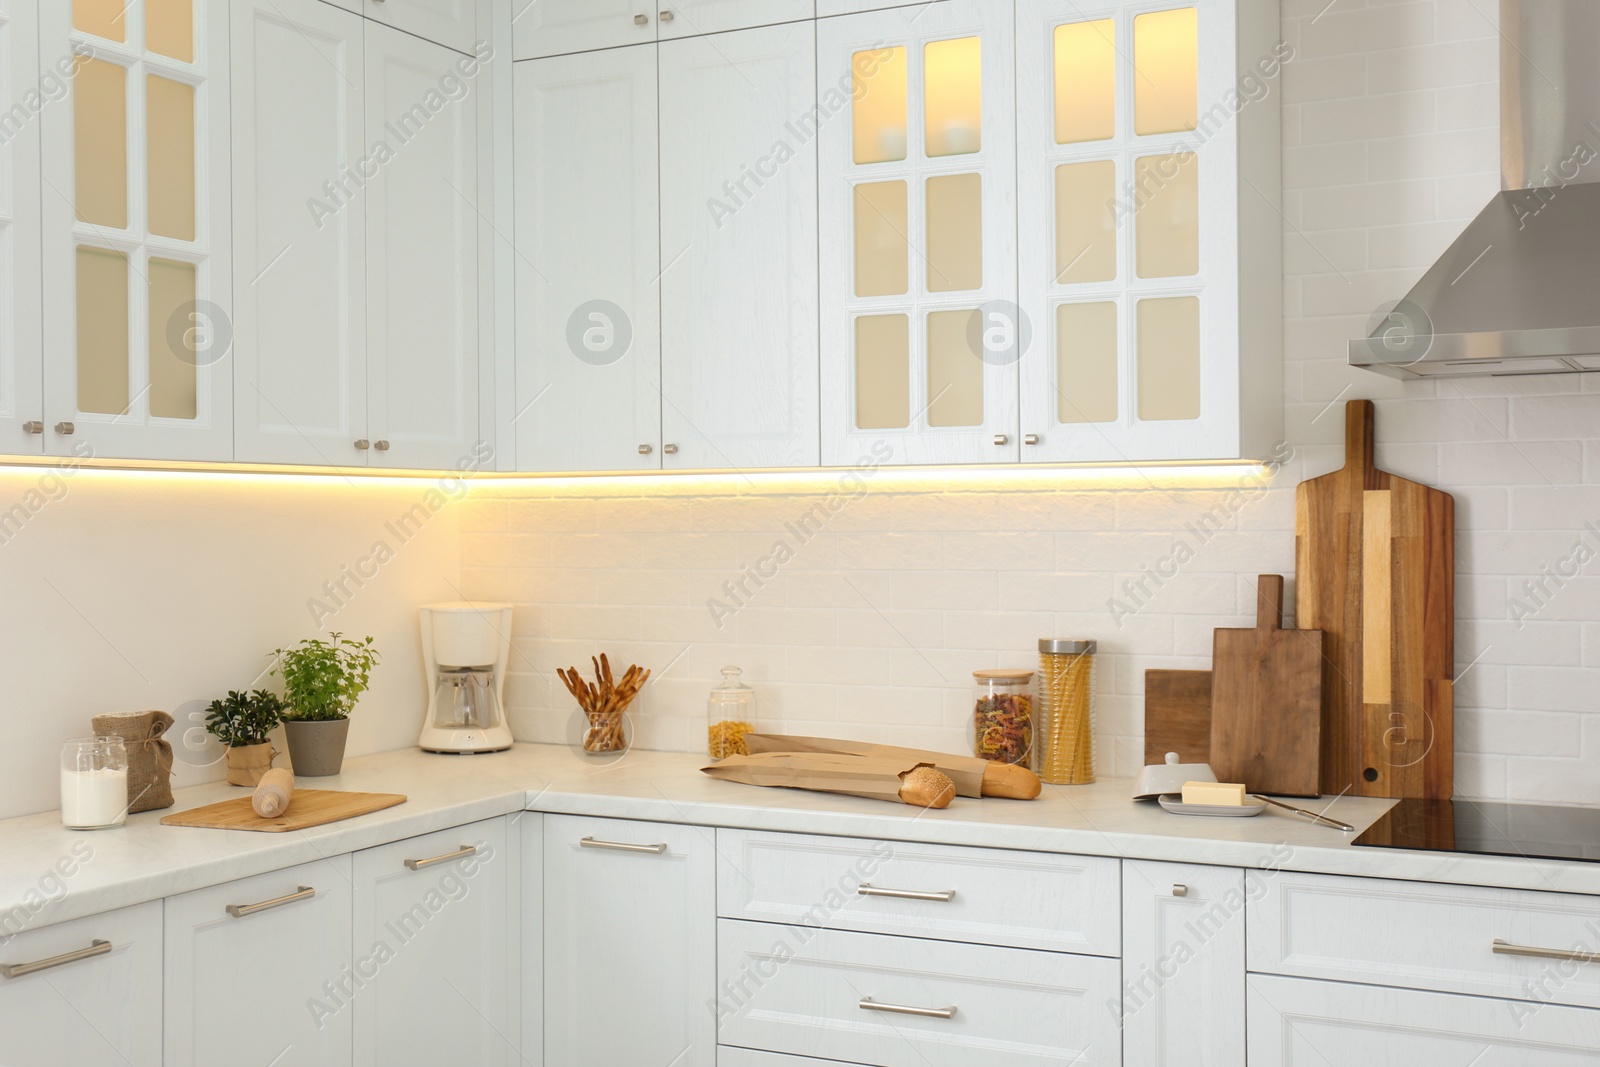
[
  {"x": 1177, "y": 716},
  {"x": 1266, "y": 702},
  {"x": 1375, "y": 571}
]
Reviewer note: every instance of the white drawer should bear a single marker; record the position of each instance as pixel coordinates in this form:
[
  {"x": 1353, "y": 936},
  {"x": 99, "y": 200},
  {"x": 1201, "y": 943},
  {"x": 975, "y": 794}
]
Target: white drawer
[
  {"x": 1024, "y": 899},
  {"x": 1427, "y": 936},
  {"x": 801, "y": 990},
  {"x": 1299, "y": 1023},
  {"x": 745, "y": 1057}
]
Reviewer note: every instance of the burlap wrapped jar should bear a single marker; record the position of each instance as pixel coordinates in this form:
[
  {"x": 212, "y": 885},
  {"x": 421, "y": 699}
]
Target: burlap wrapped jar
[{"x": 149, "y": 755}]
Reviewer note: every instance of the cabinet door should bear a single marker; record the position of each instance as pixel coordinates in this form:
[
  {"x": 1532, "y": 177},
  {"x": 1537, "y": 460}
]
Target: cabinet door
[
  {"x": 94, "y": 1008},
  {"x": 422, "y": 242},
  {"x": 276, "y": 981},
  {"x": 529, "y": 830},
  {"x": 918, "y": 232},
  {"x": 1131, "y": 275},
  {"x": 1301, "y": 1023},
  {"x": 136, "y": 233},
  {"x": 431, "y": 916},
  {"x": 587, "y": 202},
  {"x": 630, "y": 923},
  {"x": 739, "y": 250},
  {"x": 452, "y": 23},
  {"x": 556, "y": 27},
  {"x": 692, "y": 18},
  {"x": 300, "y": 164},
  {"x": 1182, "y": 964},
  {"x": 826, "y": 8},
  {"x": 21, "y": 361}
]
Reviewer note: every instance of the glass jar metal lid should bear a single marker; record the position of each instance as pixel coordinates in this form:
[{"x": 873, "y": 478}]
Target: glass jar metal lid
[{"x": 1066, "y": 646}]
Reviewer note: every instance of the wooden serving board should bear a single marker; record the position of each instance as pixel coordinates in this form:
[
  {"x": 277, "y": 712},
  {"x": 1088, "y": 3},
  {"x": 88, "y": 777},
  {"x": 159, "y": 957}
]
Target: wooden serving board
[
  {"x": 1375, "y": 571},
  {"x": 1177, "y": 716},
  {"x": 1266, "y": 701},
  {"x": 308, "y": 807}
]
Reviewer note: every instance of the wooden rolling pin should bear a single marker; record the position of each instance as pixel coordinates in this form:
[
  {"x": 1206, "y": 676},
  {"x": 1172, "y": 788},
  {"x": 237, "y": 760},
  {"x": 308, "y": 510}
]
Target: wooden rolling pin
[{"x": 272, "y": 796}]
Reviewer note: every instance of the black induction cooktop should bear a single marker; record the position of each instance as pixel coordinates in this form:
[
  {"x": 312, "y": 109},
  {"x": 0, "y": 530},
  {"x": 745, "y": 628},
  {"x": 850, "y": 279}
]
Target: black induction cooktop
[{"x": 1487, "y": 828}]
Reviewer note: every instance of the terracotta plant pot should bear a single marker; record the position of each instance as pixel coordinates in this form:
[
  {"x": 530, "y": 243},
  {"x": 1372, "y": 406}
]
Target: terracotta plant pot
[
  {"x": 247, "y": 763},
  {"x": 316, "y": 749}
]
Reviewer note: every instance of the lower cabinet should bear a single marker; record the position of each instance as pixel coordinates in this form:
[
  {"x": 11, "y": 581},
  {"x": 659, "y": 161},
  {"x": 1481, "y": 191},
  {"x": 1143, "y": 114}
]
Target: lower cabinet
[
  {"x": 439, "y": 973},
  {"x": 629, "y": 943},
  {"x": 85, "y": 993},
  {"x": 744, "y": 1057},
  {"x": 1183, "y": 938},
  {"x": 260, "y": 970},
  {"x": 1306, "y": 1023}
]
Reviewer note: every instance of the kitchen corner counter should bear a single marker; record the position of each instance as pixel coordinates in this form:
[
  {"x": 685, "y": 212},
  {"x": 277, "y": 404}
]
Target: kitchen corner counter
[{"x": 146, "y": 861}]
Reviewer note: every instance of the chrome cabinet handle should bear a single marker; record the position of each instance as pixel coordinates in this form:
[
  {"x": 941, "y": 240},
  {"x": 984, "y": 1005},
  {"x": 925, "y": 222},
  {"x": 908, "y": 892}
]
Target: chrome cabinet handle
[
  {"x": 17, "y": 970},
  {"x": 1506, "y": 948},
  {"x": 645, "y": 450},
  {"x": 66, "y": 429},
  {"x": 868, "y": 1004},
  {"x": 239, "y": 911},
  {"x": 33, "y": 427},
  {"x": 671, "y": 450},
  {"x": 868, "y": 890},
  {"x": 381, "y": 446},
  {"x": 1179, "y": 889},
  {"x": 641, "y": 20},
  {"x": 1030, "y": 439},
  {"x": 621, "y": 846},
  {"x": 461, "y": 853},
  {"x": 362, "y": 444},
  {"x": 1001, "y": 439}
]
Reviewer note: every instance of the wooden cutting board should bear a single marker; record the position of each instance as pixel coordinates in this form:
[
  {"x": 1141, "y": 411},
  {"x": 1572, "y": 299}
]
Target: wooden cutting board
[
  {"x": 309, "y": 807},
  {"x": 1177, "y": 716},
  {"x": 1266, "y": 701},
  {"x": 1375, "y": 571}
]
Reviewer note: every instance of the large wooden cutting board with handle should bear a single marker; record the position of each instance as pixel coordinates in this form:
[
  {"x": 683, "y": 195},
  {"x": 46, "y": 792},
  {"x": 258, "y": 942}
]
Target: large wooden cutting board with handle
[
  {"x": 1375, "y": 571},
  {"x": 1266, "y": 701},
  {"x": 307, "y": 808},
  {"x": 1177, "y": 716}
]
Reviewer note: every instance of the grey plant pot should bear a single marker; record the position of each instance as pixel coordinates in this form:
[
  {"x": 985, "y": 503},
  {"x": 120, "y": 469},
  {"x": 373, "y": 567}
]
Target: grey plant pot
[{"x": 316, "y": 749}]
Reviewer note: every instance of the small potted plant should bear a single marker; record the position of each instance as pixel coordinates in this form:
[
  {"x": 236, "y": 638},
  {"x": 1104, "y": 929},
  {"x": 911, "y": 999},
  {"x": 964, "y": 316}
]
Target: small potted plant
[
  {"x": 244, "y": 722},
  {"x": 322, "y": 680}
]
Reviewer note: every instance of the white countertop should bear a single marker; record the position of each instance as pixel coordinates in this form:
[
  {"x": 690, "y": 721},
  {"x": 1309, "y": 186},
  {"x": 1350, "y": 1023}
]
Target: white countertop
[{"x": 145, "y": 860}]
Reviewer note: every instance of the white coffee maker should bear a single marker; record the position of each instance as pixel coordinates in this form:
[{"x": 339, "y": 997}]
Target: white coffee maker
[{"x": 465, "y": 648}]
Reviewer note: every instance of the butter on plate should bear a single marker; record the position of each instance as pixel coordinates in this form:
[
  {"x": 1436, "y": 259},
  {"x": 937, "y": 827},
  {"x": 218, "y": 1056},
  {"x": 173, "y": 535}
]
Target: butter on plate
[{"x": 1217, "y": 794}]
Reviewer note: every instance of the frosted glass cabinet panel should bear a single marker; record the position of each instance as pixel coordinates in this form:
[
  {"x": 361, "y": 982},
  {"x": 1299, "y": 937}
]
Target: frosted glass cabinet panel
[
  {"x": 136, "y": 238},
  {"x": 918, "y": 235},
  {"x": 1154, "y": 284},
  {"x": 21, "y": 364}
]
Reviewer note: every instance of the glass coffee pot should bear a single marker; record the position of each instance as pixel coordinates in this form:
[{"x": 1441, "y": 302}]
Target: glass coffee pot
[{"x": 465, "y": 699}]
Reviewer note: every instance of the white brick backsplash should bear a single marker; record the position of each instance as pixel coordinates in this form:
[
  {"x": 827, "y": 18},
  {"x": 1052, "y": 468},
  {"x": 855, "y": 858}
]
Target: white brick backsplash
[{"x": 1390, "y": 123}]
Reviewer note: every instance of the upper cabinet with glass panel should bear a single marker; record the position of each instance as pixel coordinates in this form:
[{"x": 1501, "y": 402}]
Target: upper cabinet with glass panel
[
  {"x": 918, "y": 222},
  {"x": 136, "y": 229},
  {"x": 1148, "y": 150}
]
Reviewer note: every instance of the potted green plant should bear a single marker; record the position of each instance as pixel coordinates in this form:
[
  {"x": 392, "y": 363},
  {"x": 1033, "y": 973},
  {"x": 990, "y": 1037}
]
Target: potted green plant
[
  {"x": 322, "y": 680},
  {"x": 244, "y": 722}
]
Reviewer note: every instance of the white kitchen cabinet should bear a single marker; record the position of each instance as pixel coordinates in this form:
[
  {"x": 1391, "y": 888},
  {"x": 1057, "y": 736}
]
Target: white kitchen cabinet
[
  {"x": 452, "y": 23},
  {"x": 690, "y": 18},
  {"x": 588, "y": 364},
  {"x": 137, "y": 258},
  {"x": 1300, "y": 1023},
  {"x": 826, "y": 8},
  {"x": 728, "y": 1056},
  {"x": 263, "y": 964},
  {"x": 21, "y": 365},
  {"x": 918, "y": 231},
  {"x": 1183, "y": 936},
  {"x": 86, "y": 992},
  {"x": 629, "y": 943},
  {"x": 431, "y": 918},
  {"x": 422, "y": 253},
  {"x": 556, "y": 27},
  {"x": 739, "y": 384},
  {"x": 1150, "y": 270},
  {"x": 909, "y": 1002},
  {"x": 527, "y": 830},
  {"x": 300, "y": 232}
]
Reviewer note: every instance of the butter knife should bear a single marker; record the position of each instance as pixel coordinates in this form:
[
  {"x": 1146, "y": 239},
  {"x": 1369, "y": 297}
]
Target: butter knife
[{"x": 1304, "y": 814}]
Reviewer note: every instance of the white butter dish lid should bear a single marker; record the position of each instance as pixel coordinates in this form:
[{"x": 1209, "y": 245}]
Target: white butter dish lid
[{"x": 1168, "y": 777}]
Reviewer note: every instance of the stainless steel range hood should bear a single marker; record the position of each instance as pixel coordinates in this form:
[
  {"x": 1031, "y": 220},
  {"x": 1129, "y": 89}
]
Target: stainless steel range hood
[{"x": 1519, "y": 291}]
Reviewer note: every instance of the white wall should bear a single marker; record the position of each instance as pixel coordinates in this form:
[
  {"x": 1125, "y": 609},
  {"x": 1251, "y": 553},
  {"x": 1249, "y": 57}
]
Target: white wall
[
  {"x": 128, "y": 592},
  {"x": 1390, "y": 116}
]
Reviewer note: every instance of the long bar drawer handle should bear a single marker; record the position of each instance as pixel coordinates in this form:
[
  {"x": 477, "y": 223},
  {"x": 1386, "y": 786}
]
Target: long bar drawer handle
[
  {"x": 17, "y": 970},
  {"x": 621, "y": 846},
  {"x": 461, "y": 853},
  {"x": 1506, "y": 948},
  {"x": 868, "y": 1004},
  {"x": 239, "y": 911},
  {"x": 867, "y": 890}
]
